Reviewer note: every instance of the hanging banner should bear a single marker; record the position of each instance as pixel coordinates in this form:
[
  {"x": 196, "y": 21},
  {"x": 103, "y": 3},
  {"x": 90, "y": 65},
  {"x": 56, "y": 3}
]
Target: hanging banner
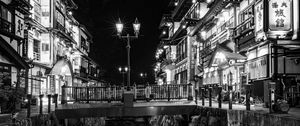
[
  {"x": 19, "y": 21},
  {"x": 259, "y": 20},
  {"x": 280, "y": 15}
]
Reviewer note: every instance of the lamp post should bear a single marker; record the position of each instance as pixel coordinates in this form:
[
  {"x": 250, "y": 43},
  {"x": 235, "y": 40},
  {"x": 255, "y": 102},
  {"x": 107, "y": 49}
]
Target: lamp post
[
  {"x": 136, "y": 28},
  {"x": 143, "y": 76},
  {"x": 123, "y": 70}
]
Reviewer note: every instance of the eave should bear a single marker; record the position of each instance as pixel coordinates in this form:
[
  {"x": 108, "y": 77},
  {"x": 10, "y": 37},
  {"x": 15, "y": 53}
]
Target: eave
[
  {"x": 215, "y": 9},
  {"x": 10, "y": 52},
  {"x": 181, "y": 9}
]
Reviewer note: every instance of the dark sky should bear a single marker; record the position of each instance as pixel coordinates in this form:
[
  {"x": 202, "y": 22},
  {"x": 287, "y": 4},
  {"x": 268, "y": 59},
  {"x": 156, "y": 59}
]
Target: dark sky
[{"x": 100, "y": 16}]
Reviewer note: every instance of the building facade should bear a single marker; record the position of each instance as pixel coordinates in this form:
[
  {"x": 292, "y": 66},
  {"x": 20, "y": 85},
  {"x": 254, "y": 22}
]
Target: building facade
[
  {"x": 43, "y": 47},
  {"x": 12, "y": 63},
  {"x": 58, "y": 46},
  {"x": 232, "y": 44}
]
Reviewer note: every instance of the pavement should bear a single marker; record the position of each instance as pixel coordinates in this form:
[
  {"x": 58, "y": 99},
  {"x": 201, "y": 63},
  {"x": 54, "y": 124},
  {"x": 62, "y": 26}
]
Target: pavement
[{"x": 293, "y": 112}]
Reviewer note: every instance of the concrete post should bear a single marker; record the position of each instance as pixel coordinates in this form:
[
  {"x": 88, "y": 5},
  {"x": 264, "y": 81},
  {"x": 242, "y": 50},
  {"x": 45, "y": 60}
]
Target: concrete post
[
  {"x": 41, "y": 103},
  {"x": 220, "y": 97},
  {"x": 55, "y": 97},
  {"x": 29, "y": 105},
  {"x": 147, "y": 92},
  {"x": 64, "y": 94},
  {"x": 49, "y": 102},
  {"x": 190, "y": 92},
  {"x": 87, "y": 95},
  {"x": 168, "y": 88},
  {"x": 210, "y": 96},
  {"x": 271, "y": 96},
  {"x": 230, "y": 97},
  {"x": 248, "y": 91},
  {"x": 202, "y": 96},
  {"x": 134, "y": 92},
  {"x": 109, "y": 94}
]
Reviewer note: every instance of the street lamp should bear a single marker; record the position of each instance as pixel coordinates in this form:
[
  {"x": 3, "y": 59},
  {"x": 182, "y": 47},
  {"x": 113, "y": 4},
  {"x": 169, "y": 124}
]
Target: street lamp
[
  {"x": 143, "y": 75},
  {"x": 123, "y": 70},
  {"x": 136, "y": 27}
]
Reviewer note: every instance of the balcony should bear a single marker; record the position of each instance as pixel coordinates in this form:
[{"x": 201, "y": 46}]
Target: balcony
[
  {"x": 244, "y": 33},
  {"x": 180, "y": 57},
  {"x": 6, "y": 27}
]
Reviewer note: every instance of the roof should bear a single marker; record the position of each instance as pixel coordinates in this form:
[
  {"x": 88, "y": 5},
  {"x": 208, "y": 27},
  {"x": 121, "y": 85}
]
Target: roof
[
  {"x": 227, "y": 53},
  {"x": 12, "y": 54}
]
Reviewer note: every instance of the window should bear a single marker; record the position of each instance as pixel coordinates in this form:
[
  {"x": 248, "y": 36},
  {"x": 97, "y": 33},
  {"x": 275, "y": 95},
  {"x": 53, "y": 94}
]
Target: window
[
  {"x": 247, "y": 13},
  {"x": 84, "y": 44},
  {"x": 181, "y": 50},
  {"x": 45, "y": 47},
  {"x": 60, "y": 18},
  {"x": 5, "y": 19},
  {"x": 36, "y": 49}
]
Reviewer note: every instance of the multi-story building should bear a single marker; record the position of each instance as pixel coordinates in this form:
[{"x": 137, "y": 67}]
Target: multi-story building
[
  {"x": 177, "y": 53},
  {"x": 232, "y": 43},
  {"x": 58, "y": 47},
  {"x": 12, "y": 64}
]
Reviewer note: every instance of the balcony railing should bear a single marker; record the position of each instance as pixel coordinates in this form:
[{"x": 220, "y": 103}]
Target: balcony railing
[
  {"x": 244, "y": 32},
  {"x": 6, "y": 26},
  {"x": 244, "y": 27}
]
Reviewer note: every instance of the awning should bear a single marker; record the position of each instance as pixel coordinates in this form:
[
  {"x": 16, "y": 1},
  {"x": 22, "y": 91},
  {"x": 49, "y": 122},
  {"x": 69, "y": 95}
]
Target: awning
[
  {"x": 222, "y": 55},
  {"x": 62, "y": 67},
  {"x": 235, "y": 56},
  {"x": 12, "y": 54}
]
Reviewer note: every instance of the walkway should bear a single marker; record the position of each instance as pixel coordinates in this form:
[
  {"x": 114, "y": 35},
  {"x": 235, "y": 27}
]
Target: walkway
[{"x": 154, "y": 107}]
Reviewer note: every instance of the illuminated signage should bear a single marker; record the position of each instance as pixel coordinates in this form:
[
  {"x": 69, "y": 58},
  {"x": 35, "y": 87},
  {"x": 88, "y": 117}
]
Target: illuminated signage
[{"x": 280, "y": 15}]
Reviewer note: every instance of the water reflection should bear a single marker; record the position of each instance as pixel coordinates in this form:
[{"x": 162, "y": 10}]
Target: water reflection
[{"x": 160, "y": 120}]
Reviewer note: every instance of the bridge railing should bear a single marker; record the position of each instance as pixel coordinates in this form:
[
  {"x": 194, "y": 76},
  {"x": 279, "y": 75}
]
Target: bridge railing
[{"x": 115, "y": 93}]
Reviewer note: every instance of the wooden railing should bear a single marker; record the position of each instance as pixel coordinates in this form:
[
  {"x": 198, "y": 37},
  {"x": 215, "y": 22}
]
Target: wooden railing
[
  {"x": 115, "y": 93},
  {"x": 6, "y": 26}
]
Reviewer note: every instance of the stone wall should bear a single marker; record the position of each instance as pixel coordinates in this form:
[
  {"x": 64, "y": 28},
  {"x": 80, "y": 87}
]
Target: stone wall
[{"x": 205, "y": 116}]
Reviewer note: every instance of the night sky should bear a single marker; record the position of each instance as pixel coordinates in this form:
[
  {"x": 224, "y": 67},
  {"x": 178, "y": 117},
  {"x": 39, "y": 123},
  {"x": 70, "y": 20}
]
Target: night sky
[{"x": 100, "y": 16}]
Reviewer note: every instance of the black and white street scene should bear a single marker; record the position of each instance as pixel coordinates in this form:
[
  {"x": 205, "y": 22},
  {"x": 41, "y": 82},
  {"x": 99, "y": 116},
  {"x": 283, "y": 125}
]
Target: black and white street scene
[{"x": 149, "y": 63}]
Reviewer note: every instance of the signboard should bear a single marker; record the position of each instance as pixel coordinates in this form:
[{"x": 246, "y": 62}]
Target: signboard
[
  {"x": 259, "y": 20},
  {"x": 45, "y": 18},
  {"x": 258, "y": 67},
  {"x": 52, "y": 84},
  {"x": 280, "y": 12},
  {"x": 19, "y": 24}
]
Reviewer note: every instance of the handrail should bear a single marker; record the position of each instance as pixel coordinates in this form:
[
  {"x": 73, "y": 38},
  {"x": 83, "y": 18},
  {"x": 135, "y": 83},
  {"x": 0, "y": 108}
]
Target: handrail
[{"x": 115, "y": 93}]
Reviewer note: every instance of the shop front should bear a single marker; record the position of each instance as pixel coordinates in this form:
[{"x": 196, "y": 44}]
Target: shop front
[{"x": 61, "y": 74}]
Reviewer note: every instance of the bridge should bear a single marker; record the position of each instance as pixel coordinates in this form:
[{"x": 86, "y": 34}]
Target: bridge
[
  {"x": 117, "y": 104},
  {"x": 116, "y": 93}
]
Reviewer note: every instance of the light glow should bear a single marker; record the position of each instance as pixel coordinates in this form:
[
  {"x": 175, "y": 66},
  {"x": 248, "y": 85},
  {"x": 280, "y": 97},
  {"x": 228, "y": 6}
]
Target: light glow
[
  {"x": 119, "y": 26},
  {"x": 136, "y": 27},
  {"x": 220, "y": 56},
  {"x": 203, "y": 34}
]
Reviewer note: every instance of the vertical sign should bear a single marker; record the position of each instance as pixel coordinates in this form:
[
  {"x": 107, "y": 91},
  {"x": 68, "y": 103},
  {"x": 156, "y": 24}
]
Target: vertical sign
[
  {"x": 280, "y": 15},
  {"x": 259, "y": 20},
  {"x": 19, "y": 24},
  {"x": 45, "y": 8}
]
